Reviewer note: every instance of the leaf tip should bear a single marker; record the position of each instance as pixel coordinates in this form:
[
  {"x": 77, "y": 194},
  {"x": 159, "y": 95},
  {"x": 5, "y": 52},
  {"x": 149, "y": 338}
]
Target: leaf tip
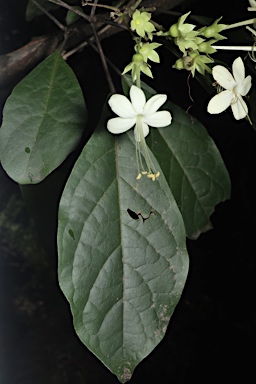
[{"x": 126, "y": 376}]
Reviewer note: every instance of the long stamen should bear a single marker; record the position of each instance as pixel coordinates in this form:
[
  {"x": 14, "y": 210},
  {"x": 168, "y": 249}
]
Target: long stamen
[{"x": 141, "y": 147}]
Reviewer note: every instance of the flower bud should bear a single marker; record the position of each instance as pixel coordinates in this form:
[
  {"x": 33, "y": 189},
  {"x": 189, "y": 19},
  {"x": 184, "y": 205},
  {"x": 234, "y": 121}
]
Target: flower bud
[
  {"x": 209, "y": 31},
  {"x": 214, "y": 30},
  {"x": 137, "y": 58},
  {"x": 206, "y": 47},
  {"x": 174, "y": 31}
]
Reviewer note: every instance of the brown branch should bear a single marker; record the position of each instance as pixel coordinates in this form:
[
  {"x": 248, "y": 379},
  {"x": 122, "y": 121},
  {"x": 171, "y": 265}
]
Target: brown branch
[
  {"x": 103, "y": 60},
  {"x": 93, "y": 8},
  {"x": 160, "y": 4},
  {"x": 70, "y": 8},
  {"x": 16, "y": 64}
]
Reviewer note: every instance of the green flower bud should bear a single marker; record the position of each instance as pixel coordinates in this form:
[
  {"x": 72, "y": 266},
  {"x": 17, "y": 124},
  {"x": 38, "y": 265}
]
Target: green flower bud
[
  {"x": 137, "y": 58},
  {"x": 206, "y": 47},
  {"x": 209, "y": 31},
  {"x": 214, "y": 30},
  {"x": 193, "y": 54},
  {"x": 203, "y": 47},
  {"x": 174, "y": 30}
]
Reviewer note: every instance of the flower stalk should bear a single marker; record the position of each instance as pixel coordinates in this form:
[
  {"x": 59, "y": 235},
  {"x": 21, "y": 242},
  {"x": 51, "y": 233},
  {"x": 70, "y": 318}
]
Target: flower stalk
[
  {"x": 241, "y": 23},
  {"x": 246, "y": 48}
]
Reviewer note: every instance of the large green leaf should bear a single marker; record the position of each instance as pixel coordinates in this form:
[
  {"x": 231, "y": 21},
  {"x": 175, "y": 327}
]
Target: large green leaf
[
  {"x": 192, "y": 165},
  {"x": 122, "y": 252},
  {"x": 43, "y": 120}
]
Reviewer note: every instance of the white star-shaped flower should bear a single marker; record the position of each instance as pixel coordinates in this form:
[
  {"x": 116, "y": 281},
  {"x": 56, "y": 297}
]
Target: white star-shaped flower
[
  {"x": 140, "y": 114},
  {"x": 236, "y": 86}
]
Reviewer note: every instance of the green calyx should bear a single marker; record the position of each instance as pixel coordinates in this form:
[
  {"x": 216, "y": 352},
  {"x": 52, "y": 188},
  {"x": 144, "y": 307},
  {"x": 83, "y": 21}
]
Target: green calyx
[
  {"x": 174, "y": 30},
  {"x": 137, "y": 58}
]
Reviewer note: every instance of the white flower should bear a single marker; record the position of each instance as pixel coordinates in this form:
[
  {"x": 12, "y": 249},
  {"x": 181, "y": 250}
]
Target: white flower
[
  {"x": 252, "y": 3},
  {"x": 140, "y": 114},
  {"x": 235, "y": 87}
]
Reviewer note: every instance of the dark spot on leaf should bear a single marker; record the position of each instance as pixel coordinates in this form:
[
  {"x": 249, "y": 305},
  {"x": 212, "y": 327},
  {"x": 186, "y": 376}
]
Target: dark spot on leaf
[
  {"x": 27, "y": 150},
  {"x": 71, "y": 233},
  {"x": 132, "y": 214},
  {"x": 135, "y": 216}
]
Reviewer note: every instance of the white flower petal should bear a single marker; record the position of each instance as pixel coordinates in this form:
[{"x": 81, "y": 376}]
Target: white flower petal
[
  {"x": 158, "y": 119},
  {"x": 120, "y": 125},
  {"x": 238, "y": 70},
  {"x": 145, "y": 131},
  {"x": 223, "y": 77},
  {"x": 239, "y": 109},
  {"x": 244, "y": 88},
  {"x": 121, "y": 106},
  {"x": 220, "y": 102},
  {"x": 138, "y": 99},
  {"x": 154, "y": 103}
]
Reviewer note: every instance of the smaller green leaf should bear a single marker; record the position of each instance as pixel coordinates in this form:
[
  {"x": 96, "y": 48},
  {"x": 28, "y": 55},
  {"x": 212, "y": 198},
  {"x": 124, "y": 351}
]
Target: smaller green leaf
[
  {"x": 43, "y": 121},
  {"x": 33, "y": 11},
  {"x": 72, "y": 16}
]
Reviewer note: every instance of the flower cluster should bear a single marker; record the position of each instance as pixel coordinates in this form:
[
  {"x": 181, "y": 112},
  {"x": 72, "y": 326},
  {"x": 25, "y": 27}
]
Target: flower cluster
[
  {"x": 144, "y": 51},
  {"x": 184, "y": 35},
  {"x": 194, "y": 44}
]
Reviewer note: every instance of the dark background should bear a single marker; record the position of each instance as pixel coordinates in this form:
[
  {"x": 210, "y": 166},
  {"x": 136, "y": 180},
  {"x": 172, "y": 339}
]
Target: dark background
[{"x": 211, "y": 336}]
